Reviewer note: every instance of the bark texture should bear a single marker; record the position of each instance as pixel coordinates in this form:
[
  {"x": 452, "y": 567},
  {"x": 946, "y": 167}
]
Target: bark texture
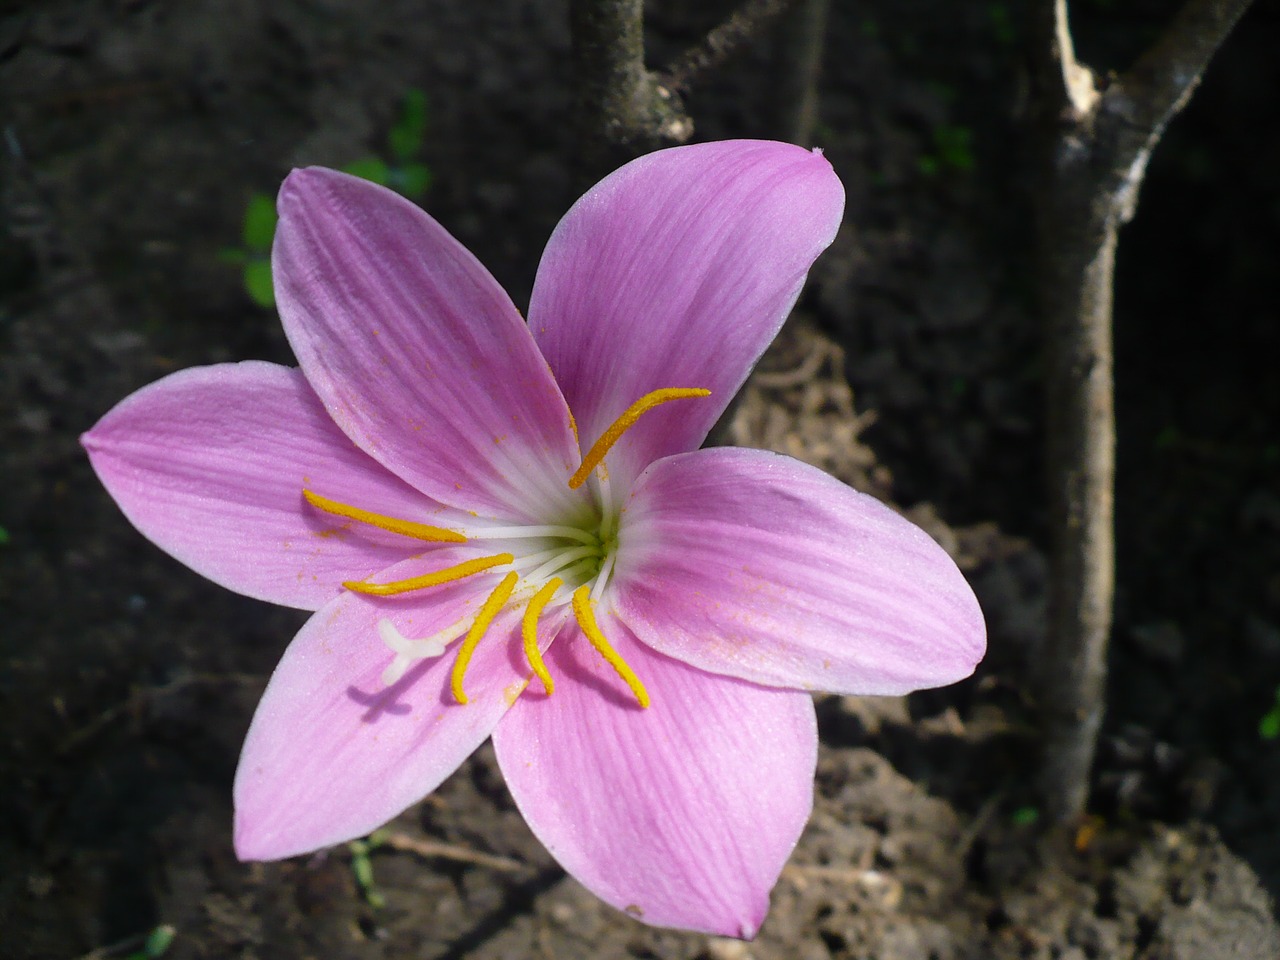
[
  {"x": 622, "y": 109},
  {"x": 1092, "y": 149}
]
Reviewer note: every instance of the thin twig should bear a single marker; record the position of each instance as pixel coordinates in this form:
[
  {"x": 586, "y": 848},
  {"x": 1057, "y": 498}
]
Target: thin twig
[
  {"x": 140, "y": 697},
  {"x": 621, "y": 110},
  {"x": 722, "y": 42},
  {"x": 1161, "y": 81},
  {"x": 432, "y": 849}
]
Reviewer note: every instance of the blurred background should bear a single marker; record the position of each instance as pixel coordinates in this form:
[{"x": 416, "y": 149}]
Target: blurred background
[{"x": 136, "y": 135}]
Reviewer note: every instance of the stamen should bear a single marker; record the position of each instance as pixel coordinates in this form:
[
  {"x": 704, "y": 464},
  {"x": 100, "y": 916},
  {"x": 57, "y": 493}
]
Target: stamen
[
  {"x": 587, "y": 621},
  {"x": 406, "y": 528},
  {"x": 465, "y": 569},
  {"x": 547, "y": 530},
  {"x": 620, "y": 426},
  {"x": 561, "y": 560},
  {"x": 488, "y": 611},
  {"x": 606, "y": 500},
  {"x": 529, "y": 630},
  {"x": 602, "y": 578}
]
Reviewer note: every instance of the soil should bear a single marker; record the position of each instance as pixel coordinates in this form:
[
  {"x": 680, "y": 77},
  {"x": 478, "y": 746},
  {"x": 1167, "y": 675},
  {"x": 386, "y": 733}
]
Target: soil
[{"x": 134, "y": 132}]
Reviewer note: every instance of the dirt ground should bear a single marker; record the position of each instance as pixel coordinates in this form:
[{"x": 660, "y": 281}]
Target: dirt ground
[{"x": 134, "y": 132}]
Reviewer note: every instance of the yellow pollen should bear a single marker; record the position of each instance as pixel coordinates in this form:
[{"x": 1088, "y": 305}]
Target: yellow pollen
[
  {"x": 529, "y": 630},
  {"x": 479, "y": 627},
  {"x": 465, "y": 569},
  {"x": 406, "y": 528},
  {"x": 620, "y": 426},
  {"x": 587, "y": 621}
]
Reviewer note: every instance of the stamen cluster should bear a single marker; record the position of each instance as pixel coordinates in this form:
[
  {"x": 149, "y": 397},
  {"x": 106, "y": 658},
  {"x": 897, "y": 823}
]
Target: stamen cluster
[{"x": 549, "y": 565}]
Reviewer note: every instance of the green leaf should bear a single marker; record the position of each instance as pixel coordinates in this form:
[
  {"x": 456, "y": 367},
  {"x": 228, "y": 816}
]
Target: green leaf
[
  {"x": 1001, "y": 24},
  {"x": 259, "y": 223},
  {"x": 4, "y": 536},
  {"x": 411, "y": 180},
  {"x": 232, "y": 255},
  {"x": 363, "y": 870},
  {"x": 1025, "y": 816},
  {"x": 158, "y": 943},
  {"x": 370, "y": 168},
  {"x": 257, "y": 283},
  {"x": 1167, "y": 438},
  {"x": 955, "y": 146},
  {"x": 406, "y": 137},
  {"x": 1269, "y": 725}
]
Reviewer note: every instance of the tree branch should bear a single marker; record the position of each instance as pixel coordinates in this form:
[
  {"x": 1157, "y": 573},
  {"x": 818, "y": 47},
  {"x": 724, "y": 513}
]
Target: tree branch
[
  {"x": 1093, "y": 150},
  {"x": 1159, "y": 84},
  {"x": 1067, "y": 86},
  {"x": 722, "y": 42},
  {"x": 621, "y": 108}
]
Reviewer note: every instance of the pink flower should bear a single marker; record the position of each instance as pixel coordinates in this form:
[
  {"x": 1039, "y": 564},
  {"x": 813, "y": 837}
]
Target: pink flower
[{"x": 639, "y": 632}]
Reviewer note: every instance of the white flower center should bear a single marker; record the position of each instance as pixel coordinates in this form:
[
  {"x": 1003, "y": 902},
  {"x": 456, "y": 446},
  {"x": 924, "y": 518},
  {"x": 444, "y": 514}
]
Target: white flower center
[{"x": 567, "y": 561}]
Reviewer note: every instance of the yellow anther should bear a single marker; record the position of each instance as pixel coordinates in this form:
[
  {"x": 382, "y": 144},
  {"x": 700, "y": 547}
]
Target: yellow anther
[
  {"x": 624, "y": 423},
  {"x": 587, "y": 621},
  {"x": 529, "y": 630},
  {"x": 406, "y": 528},
  {"x": 465, "y": 569},
  {"x": 488, "y": 610}
]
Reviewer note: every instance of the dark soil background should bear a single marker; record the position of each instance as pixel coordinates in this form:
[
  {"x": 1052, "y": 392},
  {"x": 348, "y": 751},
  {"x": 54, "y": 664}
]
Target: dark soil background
[{"x": 133, "y": 134}]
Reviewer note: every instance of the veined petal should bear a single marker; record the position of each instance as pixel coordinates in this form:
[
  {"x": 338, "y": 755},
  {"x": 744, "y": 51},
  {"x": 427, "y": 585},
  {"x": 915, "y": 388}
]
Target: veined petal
[
  {"x": 416, "y": 352},
  {"x": 332, "y": 753},
  {"x": 681, "y": 814},
  {"x": 754, "y": 565},
  {"x": 677, "y": 271},
  {"x": 210, "y": 463}
]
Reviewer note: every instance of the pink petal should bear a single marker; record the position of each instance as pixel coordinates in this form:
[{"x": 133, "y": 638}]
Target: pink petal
[
  {"x": 754, "y": 565},
  {"x": 332, "y": 753},
  {"x": 677, "y": 271},
  {"x": 416, "y": 352},
  {"x": 209, "y": 464},
  {"x": 682, "y": 814}
]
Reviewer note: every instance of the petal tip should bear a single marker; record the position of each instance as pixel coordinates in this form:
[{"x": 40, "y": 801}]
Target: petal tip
[
  {"x": 254, "y": 839},
  {"x": 247, "y": 846}
]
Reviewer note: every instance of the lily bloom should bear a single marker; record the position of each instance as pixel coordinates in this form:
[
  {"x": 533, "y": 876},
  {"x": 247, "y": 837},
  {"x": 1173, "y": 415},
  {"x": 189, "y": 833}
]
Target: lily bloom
[{"x": 508, "y": 530}]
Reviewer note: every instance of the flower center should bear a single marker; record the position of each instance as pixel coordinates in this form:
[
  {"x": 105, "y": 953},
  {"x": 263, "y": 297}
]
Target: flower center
[{"x": 549, "y": 565}]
